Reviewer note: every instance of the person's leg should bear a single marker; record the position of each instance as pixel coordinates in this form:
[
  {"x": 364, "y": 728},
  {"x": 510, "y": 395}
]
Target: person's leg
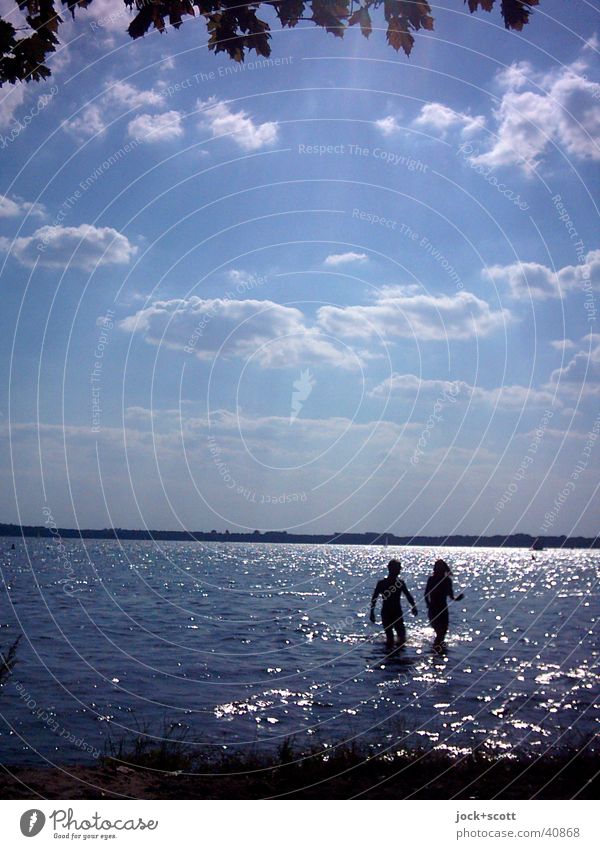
[
  {"x": 388, "y": 627},
  {"x": 441, "y": 626},
  {"x": 400, "y": 631},
  {"x": 434, "y": 621}
]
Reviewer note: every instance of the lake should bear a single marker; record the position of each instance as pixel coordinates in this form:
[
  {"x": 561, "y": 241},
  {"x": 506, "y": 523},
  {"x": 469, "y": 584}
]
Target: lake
[{"x": 244, "y": 645}]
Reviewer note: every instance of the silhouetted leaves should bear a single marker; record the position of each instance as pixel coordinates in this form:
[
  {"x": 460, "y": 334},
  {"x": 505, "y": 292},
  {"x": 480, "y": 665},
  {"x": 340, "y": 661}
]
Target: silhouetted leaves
[
  {"x": 398, "y": 35},
  {"x": 514, "y": 12},
  {"x": 362, "y": 17},
  {"x": 141, "y": 23},
  {"x": 233, "y": 28},
  {"x": 402, "y": 17},
  {"x": 331, "y": 15},
  {"x": 289, "y": 12},
  {"x": 486, "y": 5}
]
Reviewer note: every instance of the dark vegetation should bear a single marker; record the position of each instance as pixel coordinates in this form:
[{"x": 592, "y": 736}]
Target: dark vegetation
[
  {"x": 232, "y": 27},
  {"x": 172, "y": 770},
  {"x": 8, "y": 661}
]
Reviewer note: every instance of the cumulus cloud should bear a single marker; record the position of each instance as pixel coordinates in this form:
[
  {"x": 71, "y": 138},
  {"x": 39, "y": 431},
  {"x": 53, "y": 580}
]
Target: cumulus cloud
[
  {"x": 581, "y": 375},
  {"x": 343, "y": 259},
  {"x": 168, "y": 63},
  {"x": 14, "y": 207},
  {"x": 90, "y": 123},
  {"x": 172, "y": 423},
  {"x": 533, "y": 280},
  {"x": 410, "y": 386},
  {"x": 516, "y": 76},
  {"x": 388, "y": 126},
  {"x": 121, "y": 97},
  {"x": 164, "y": 126},
  {"x": 439, "y": 117},
  {"x": 563, "y": 344},
  {"x": 574, "y": 276},
  {"x": 222, "y": 120},
  {"x": 128, "y": 96},
  {"x": 275, "y": 336},
  {"x": 83, "y": 247},
  {"x": 111, "y": 17},
  {"x": 400, "y": 313},
  {"x": 526, "y": 280},
  {"x": 539, "y": 109},
  {"x": 12, "y": 97}
]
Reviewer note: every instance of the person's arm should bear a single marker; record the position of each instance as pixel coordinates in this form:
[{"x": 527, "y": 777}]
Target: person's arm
[
  {"x": 427, "y": 592},
  {"x": 374, "y": 597},
  {"x": 411, "y": 600},
  {"x": 459, "y": 597}
]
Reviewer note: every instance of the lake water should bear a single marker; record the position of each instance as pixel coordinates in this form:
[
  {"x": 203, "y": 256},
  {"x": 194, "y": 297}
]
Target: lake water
[{"x": 245, "y": 645}]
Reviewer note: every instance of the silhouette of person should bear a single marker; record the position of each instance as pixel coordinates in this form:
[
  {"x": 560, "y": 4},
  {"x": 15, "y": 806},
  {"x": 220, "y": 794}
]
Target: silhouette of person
[
  {"x": 437, "y": 592},
  {"x": 390, "y": 590}
]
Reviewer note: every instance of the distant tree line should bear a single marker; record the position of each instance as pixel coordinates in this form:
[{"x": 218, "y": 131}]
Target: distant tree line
[{"x": 337, "y": 538}]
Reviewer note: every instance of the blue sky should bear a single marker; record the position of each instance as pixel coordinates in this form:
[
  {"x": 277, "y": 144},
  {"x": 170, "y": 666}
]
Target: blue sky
[{"x": 342, "y": 290}]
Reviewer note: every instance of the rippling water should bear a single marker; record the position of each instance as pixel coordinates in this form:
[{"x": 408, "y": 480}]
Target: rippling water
[{"x": 239, "y": 645}]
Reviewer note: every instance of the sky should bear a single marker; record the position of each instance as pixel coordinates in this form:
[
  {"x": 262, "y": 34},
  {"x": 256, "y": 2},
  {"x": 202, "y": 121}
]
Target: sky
[{"x": 341, "y": 290}]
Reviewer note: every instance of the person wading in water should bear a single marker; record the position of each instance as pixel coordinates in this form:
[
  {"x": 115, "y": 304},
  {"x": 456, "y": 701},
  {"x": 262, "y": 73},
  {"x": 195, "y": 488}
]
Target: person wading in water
[
  {"x": 437, "y": 592},
  {"x": 390, "y": 589}
]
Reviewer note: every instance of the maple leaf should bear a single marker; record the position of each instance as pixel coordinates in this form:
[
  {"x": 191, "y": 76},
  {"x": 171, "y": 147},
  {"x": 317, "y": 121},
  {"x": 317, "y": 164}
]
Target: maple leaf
[
  {"x": 486, "y": 5},
  {"x": 362, "y": 17},
  {"x": 398, "y": 35}
]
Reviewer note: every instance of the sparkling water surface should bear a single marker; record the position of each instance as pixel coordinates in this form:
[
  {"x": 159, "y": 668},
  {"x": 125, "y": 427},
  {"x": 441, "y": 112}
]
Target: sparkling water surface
[{"x": 235, "y": 645}]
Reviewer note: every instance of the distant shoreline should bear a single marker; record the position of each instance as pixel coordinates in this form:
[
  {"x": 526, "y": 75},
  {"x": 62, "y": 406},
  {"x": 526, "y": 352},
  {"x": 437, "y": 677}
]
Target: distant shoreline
[{"x": 452, "y": 540}]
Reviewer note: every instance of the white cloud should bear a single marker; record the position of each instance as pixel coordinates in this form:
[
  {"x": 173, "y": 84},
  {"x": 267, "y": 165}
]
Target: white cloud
[
  {"x": 172, "y": 423},
  {"x": 563, "y": 344},
  {"x": 82, "y": 247},
  {"x": 538, "y": 109},
  {"x": 89, "y": 123},
  {"x": 16, "y": 206},
  {"x": 411, "y": 386},
  {"x": 156, "y": 128},
  {"x": 11, "y": 97},
  {"x": 441, "y": 118},
  {"x": 342, "y": 259},
  {"x": 388, "y": 126},
  {"x": 574, "y": 276},
  {"x": 220, "y": 118},
  {"x": 275, "y": 336},
  {"x": 139, "y": 414},
  {"x": 108, "y": 16},
  {"x": 398, "y": 313},
  {"x": 525, "y": 280},
  {"x": 168, "y": 63},
  {"x": 533, "y": 280},
  {"x": 515, "y": 76},
  {"x": 120, "y": 97},
  {"x": 581, "y": 375},
  {"x": 126, "y": 95}
]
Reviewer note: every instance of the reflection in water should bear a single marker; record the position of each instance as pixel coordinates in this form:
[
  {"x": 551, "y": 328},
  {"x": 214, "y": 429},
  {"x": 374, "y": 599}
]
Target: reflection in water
[{"x": 249, "y": 644}]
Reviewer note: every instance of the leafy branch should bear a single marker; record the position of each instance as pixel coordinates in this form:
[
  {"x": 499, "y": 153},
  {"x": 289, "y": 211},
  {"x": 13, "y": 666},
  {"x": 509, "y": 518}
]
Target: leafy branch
[{"x": 233, "y": 27}]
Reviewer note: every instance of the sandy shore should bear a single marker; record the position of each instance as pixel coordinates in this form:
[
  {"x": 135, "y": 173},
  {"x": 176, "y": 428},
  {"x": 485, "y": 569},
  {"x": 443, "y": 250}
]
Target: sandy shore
[{"x": 343, "y": 774}]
